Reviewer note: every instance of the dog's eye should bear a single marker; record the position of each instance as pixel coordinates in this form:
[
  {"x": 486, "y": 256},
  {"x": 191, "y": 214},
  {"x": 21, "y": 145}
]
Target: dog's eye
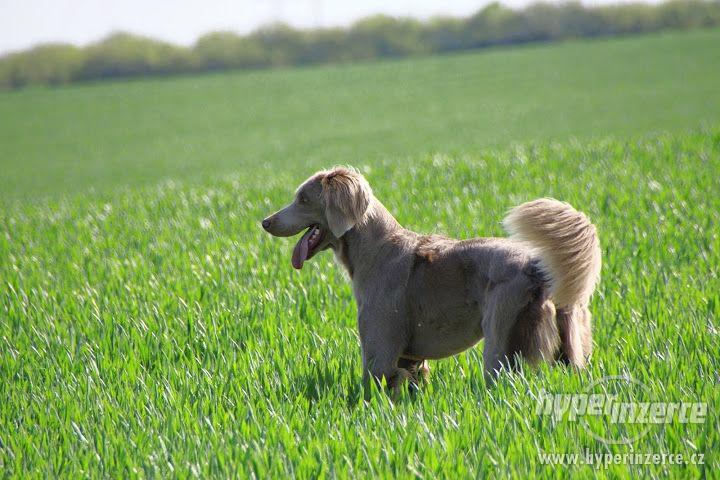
[{"x": 302, "y": 198}]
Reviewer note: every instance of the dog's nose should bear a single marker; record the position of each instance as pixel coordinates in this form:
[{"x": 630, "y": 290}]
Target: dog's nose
[{"x": 266, "y": 223}]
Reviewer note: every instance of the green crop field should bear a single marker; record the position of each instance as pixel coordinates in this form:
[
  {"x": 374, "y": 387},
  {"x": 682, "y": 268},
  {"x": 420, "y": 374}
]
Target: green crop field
[{"x": 150, "y": 328}]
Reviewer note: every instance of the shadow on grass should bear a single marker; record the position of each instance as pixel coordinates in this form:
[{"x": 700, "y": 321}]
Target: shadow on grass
[{"x": 322, "y": 382}]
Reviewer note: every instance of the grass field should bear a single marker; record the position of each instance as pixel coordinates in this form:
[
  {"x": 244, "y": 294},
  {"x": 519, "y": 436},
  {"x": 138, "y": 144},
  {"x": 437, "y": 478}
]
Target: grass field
[
  {"x": 195, "y": 128},
  {"x": 149, "y": 328}
]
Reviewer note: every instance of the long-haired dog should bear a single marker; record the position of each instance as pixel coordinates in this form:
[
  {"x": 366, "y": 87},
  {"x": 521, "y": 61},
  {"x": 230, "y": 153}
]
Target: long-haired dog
[{"x": 425, "y": 297}]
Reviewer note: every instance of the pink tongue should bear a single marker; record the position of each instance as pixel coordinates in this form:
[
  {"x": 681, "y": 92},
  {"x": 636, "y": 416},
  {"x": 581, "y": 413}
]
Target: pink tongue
[{"x": 300, "y": 252}]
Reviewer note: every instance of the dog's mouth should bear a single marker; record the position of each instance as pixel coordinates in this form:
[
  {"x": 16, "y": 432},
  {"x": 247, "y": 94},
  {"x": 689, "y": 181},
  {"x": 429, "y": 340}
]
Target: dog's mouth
[{"x": 307, "y": 246}]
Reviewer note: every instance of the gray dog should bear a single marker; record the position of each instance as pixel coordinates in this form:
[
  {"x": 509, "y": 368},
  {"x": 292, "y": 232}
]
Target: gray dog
[{"x": 428, "y": 297}]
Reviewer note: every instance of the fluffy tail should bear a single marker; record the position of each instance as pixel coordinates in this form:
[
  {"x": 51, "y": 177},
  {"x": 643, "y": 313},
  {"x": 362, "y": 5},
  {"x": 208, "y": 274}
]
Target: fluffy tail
[
  {"x": 569, "y": 251},
  {"x": 566, "y": 243}
]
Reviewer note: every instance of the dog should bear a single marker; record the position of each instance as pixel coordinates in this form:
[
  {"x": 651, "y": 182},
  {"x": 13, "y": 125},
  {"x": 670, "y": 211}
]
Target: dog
[{"x": 423, "y": 297}]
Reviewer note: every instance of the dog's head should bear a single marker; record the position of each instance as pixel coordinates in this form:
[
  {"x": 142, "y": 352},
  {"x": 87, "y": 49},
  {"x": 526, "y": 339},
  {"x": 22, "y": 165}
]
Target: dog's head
[{"x": 328, "y": 204}]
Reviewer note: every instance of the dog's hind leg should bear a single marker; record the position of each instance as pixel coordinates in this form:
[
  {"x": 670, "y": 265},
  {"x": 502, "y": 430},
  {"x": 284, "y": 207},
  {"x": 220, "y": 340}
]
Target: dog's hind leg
[
  {"x": 586, "y": 331},
  {"x": 519, "y": 324},
  {"x": 535, "y": 335},
  {"x": 499, "y": 318},
  {"x": 575, "y": 328}
]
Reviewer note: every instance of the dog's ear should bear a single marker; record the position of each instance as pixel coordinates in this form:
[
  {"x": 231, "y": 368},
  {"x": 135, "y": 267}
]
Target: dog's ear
[{"x": 346, "y": 195}]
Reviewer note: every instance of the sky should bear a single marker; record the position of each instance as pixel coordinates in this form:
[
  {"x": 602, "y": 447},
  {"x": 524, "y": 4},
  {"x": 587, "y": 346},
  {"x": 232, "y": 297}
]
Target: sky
[{"x": 24, "y": 23}]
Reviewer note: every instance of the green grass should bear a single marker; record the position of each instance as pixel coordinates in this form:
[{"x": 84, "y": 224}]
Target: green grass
[
  {"x": 105, "y": 135},
  {"x": 149, "y": 328}
]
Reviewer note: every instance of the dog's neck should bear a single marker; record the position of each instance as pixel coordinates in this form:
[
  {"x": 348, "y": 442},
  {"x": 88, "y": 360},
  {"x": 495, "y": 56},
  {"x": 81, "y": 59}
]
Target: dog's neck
[{"x": 362, "y": 247}]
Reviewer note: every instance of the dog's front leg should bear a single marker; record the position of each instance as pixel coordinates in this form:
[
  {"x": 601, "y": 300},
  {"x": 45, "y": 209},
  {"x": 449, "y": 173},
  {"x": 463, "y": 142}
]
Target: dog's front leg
[
  {"x": 381, "y": 371},
  {"x": 419, "y": 369},
  {"x": 383, "y": 338}
]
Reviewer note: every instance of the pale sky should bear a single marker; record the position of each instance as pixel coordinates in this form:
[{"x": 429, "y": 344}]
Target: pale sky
[{"x": 24, "y": 23}]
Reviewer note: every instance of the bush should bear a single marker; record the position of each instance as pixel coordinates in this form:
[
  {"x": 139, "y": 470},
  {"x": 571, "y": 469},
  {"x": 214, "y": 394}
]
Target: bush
[
  {"x": 124, "y": 55},
  {"x": 45, "y": 64},
  {"x": 222, "y": 50}
]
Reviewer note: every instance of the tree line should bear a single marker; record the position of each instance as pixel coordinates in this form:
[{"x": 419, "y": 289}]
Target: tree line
[{"x": 126, "y": 55}]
